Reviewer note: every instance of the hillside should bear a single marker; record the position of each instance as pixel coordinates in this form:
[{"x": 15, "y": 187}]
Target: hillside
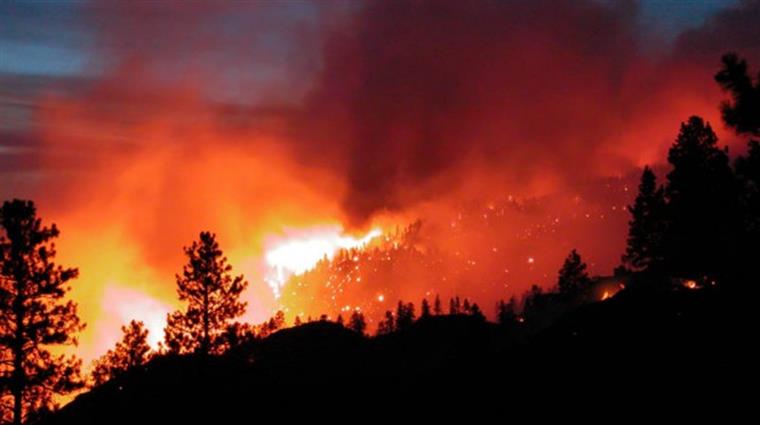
[{"x": 680, "y": 338}]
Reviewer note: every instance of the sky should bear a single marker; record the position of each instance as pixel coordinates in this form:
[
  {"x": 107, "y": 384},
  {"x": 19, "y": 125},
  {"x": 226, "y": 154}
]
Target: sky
[{"x": 135, "y": 125}]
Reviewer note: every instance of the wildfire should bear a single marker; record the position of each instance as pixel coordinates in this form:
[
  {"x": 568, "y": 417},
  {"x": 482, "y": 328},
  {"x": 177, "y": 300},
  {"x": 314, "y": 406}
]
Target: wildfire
[{"x": 301, "y": 250}]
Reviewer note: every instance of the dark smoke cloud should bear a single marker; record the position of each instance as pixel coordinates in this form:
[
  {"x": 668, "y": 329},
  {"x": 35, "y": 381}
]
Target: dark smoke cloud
[{"x": 423, "y": 95}]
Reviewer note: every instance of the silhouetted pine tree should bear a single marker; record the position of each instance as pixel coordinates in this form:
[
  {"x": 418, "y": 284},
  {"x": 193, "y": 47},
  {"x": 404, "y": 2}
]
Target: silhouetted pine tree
[
  {"x": 505, "y": 312},
  {"x": 748, "y": 174},
  {"x": 437, "y": 305},
  {"x": 534, "y": 303},
  {"x": 237, "y": 334},
  {"x": 131, "y": 352},
  {"x": 34, "y": 312},
  {"x": 743, "y": 111},
  {"x": 702, "y": 196},
  {"x": 357, "y": 323},
  {"x": 339, "y": 320},
  {"x": 476, "y": 312},
  {"x": 424, "y": 309},
  {"x": 212, "y": 294},
  {"x": 404, "y": 315},
  {"x": 297, "y": 321},
  {"x": 279, "y": 320},
  {"x": 455, "y": 306},
  {"x": 573, "y": 281},
  {"x": 466, "y": 306},
  {"x": 646, "y": 229},
  {"x": 386, "y": 325}
]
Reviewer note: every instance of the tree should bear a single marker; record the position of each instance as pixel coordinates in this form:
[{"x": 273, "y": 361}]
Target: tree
[
  {"x": 237, "y": 334},
  {"x": 357, "y": 323},
  {"x": 742, "y": 112},
  {"x": 476, "y": 312},
  {"x": 703, "y": 214},
  {"x": 437, "y": 305},
  {"x": 424, "y": 309},
  {"x": 339, "y": 320},
  {"x": 404, "y": 315},
  {"x": 297, "y": 321},
  {"x": 466, "y": 306},
  {"x": 644, "y": 251},
  {"x": 212, "y": 295},
  {"x": 454, "y": 305},
  {"x": 573, "y": 279},
  {"x": 34, "y": 314},
  {"x": 505, "y": 312},
  {"x": 131, "y": 352},
  {"x": 534, "y": 302},
  {"x": 386, "y": 325}
]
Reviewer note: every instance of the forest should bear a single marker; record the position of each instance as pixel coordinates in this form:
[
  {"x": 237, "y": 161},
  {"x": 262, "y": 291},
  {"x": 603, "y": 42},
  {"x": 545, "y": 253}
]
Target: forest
[{"x": 673, "y": 308}]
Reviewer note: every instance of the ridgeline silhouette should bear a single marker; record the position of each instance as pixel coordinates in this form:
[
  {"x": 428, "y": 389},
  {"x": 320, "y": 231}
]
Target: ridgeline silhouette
[{"x": 671, "y": 314}]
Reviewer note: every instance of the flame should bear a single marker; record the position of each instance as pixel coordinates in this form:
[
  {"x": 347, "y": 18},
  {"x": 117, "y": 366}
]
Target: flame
[
  {"x": 690, "y": 284},
  {"x": 301, "y": 250},
  {"x": 606, "y": 295}
]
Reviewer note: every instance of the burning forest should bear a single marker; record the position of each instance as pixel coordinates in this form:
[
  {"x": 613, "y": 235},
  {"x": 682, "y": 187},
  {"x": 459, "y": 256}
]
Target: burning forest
[{"x": 202, "y": 196}]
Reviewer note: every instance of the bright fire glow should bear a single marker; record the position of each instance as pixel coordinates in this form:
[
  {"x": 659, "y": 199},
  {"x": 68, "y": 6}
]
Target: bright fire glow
[
  {"x": 301, "y": 250},
  {"x": 121, "y": 304}
]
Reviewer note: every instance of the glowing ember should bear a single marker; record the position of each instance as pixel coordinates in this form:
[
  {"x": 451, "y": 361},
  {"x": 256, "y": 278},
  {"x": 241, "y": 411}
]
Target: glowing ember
[
  {"x": 690, "y": 284},
  {"x": 606, "y": 295},
  {"x": 300, "y": 252},
  {"x": 381, "y": 298}
]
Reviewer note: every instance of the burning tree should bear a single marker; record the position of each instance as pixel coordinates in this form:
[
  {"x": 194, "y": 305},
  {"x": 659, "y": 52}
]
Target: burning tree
[
  {"x": 34, "y": 314},
  {"x": 212, "y": 294},
  {"x": 131, "y": 352}
]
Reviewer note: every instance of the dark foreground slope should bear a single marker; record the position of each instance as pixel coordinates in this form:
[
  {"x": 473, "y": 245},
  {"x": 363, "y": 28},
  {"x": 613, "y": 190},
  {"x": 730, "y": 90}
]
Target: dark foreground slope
[{"x": 659, "y": 346}]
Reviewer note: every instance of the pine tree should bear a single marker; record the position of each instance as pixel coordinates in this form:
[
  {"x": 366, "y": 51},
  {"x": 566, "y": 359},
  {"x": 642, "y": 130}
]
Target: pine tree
[
  {"x": 404, "y": 315},
  {"x": 131, "y": 352},
  {"x": 743, "y": 111},
  {"x": 476, "y": 312},
  {"x": 237, "y": 334},
  {"x": 505, "y": 312},
  {"x": 357, "y": 322},
  {"x": 279, "y": 320},
  {"x": 297, "y": 321},
  {"x": 437, "y": 305},
  {"x": 34, "y": 314},
  {"x": 212, "y": 294},
  {"x": 748, "y": 174},
  {"x": 466, "y": 306},
  {"x": 644, "y": 251},
  {"x": 573, "y": 279},
  {"x": 424, "y": 309},
  {"x": 339, "y": 320},
  {"x": 386, "y": 325},
  {"x": 703, "y": 213}
]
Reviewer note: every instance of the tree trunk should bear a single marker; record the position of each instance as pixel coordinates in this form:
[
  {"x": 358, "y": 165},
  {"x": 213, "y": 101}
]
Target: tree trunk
[
  {"x": 205, "y": 343},
  {"x": 18, "y": 356}
]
